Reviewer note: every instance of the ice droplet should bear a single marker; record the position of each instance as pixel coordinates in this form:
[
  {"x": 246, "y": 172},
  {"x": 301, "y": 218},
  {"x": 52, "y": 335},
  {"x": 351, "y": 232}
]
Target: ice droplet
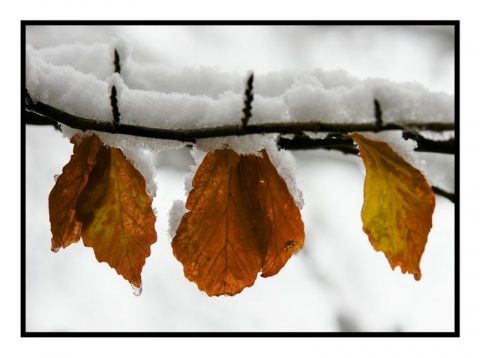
[
  {"x": 55, "y": 177},
  {"x": 55, "y": 249},
  {"x": 137, "y": 291}
]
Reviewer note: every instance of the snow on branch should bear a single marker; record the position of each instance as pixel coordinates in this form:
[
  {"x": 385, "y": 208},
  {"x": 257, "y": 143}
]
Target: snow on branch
[
  {"x": 312, "y": 109},
  {"x": 153, "y": 103},
  {"x": 40, "y": 113},
  {"x": 197, "y": 98}
]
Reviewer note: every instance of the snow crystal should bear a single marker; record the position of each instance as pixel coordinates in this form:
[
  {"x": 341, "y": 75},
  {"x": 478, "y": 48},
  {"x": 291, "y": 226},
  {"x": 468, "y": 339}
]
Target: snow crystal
[
  {"x": 411, "y": 102},
  {"x": 276, "y": 83},
  {"x": 137, "y": 291},
  {"x": 92, "y": 59},
  {"x": 117, "y": 81},
  {"x": 284, "y": 162},
  {"x": 189, "y": 80},
  {"x": 315, "y": 135},
  {"x": 309, "y": 100},
  {"x": 250, "y": 144},
  {"x": 198, "y": 156},
  {"x": 63, "y": 87},
  {"x": 438, "y": 136},
  {"x": 142, "y": 161},
  {"x": 269, "y": 109},
  {"x": 177, "y": 110},
  {"x": 68, "y": 132},
  {"x": 175, "y": 216}
]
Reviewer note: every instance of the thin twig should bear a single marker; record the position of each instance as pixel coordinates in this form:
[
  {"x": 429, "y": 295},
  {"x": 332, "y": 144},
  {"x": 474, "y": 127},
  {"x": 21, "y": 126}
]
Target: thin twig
[
  {"x": 302, "y": 142},
  {"x": 445, "y": 194},
  {"x": 113, "y": 94},
  {"x": 116, "y": 62},
  {"x": 378, "y": 114},
  {"x": 114, "y": 104},
  {"x": 247, "y": 105},
  {"x": 431, "y": 146}
]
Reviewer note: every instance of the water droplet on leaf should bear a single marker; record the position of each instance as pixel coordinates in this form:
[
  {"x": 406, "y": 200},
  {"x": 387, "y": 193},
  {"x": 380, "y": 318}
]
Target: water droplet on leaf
[
  {"x": 137, "y": 291},
  {"x": 289, "y": 244}
]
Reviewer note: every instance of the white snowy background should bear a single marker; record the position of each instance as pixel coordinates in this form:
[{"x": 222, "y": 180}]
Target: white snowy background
[{"x": 337, "y": 282}]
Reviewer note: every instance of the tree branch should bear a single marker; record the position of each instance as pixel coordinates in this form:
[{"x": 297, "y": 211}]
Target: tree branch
[
  {"x": 431, "y": 146},
  {"x": 347, "y": 146},
  {"x": 42, "y": 114},
  {"x": 247, "y": 105},
  {"x": 445, "y": 194},
  {"x": 331, "y": 142},
  {"x": 34, "y": 110}
]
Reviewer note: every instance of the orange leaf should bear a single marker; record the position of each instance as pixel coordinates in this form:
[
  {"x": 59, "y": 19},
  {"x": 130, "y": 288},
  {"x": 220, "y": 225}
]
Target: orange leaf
[
  {"x": 242, "y": 220},
  {"x": 62, "y": 201},
  {"x": 398, "y": 205},
  {"x": 113, "y": 209}
]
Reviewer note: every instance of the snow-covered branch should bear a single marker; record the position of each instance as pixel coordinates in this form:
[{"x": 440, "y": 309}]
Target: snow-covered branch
[
  {"x": 155, "y": 104},
  {"x": 41, "y": 113}
]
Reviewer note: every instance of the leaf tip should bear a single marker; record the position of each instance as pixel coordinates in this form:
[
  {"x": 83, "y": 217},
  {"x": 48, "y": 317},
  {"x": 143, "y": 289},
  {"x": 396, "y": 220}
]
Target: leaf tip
[{"x": 137, "y": 291}]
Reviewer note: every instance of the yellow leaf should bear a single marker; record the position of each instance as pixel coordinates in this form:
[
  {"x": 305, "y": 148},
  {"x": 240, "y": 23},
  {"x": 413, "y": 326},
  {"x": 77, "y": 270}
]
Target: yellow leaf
[
  {"x": 241, "y": 220},
  {"x": 398, "y": 205}
]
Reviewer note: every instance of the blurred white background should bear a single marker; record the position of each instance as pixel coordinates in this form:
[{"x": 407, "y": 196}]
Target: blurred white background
[{"x": 336, "y": 283}]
